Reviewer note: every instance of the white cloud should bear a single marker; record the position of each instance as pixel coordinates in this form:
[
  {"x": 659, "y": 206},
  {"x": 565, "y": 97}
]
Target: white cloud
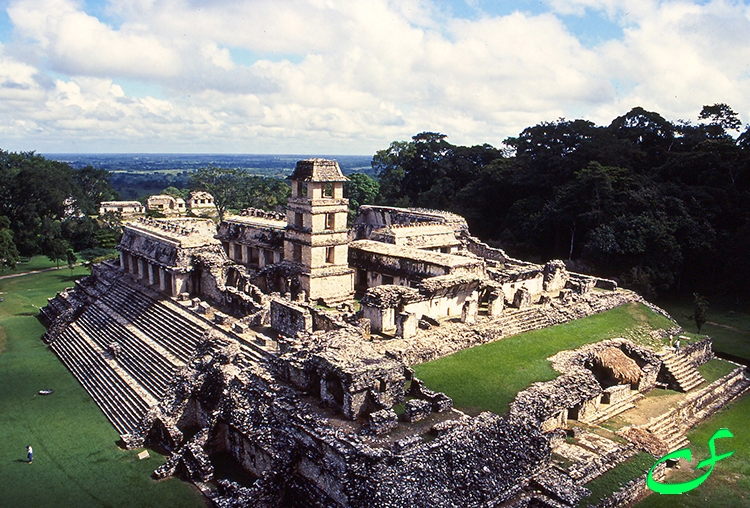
[{"x": 350, "y": 76}]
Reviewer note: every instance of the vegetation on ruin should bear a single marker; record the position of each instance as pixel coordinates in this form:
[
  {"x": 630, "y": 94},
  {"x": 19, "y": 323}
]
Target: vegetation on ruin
[
  {"x": 488, "y": 377},
  {"x": 76, "y": 459}
]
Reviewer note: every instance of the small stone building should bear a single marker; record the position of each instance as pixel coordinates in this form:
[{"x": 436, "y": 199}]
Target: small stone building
[
  {"x": 125, "y": 208},
  {"x": 200, "y": 200},
  {"x": 168, "y": 205}
]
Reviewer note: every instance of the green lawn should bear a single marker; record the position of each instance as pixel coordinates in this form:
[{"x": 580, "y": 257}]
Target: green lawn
[
  {"x": 76, "y": 459},
  {"x": 715, "y": 369},
  {"x": 34, "y": 263},
  {"x": 488, "y": 377},
  {"x": 731, "y": 333},
  {"x": 728, "y": 486},
  {"x": 614, "y": 479}
]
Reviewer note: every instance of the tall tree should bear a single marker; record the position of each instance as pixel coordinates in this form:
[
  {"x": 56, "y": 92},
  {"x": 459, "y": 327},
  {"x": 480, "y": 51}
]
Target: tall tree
[
  {"x": 8, "y": 253},
  {"x": 224, "y": 184}
]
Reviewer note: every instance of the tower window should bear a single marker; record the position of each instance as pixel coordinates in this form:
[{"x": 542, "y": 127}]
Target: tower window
[
  {"x": 297, "y": 253},
  {"x": 303, "y": 189},
  {"x": 330, "y": 254},
  {"x": 298, "y": 220},
  {"x": 328, "y": 190},
  {"x": 330, "y": 221}
]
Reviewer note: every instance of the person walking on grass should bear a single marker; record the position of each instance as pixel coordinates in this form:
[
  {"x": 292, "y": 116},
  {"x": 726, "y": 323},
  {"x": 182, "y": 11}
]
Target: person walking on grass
[
  {"x": 677, "y": 346},
  {"x": 30, "y": 453}
]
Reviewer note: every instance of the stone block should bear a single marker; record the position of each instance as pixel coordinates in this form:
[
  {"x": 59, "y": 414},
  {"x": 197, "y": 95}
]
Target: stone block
[
  {"x": 183, "y": 297},
  {"x": 566, "y": 296},
  {"x": 406, "y": 325},
  {"x": 220, "y": 318},
  {"x": 416, "y": 410},
  {"x": 239, "y": 327},
  {"x": 495, "y": 302},
  {"x": 522, "y": 298},
  {"x": 203, "y": 308},
  {"x": 441, "y": 402},
  {"x": 382, "y": 422}
]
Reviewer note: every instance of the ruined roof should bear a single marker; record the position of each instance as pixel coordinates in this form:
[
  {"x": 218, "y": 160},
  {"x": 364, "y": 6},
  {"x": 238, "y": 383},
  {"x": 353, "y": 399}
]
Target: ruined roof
[
  {"x": 256, "y": 221},
  {"x": 183, "y": 232},
  {"x": 120, "y": 203},
  {"x": 419, "y": 255},
  {"x": 419, "y": 235},
  {"x": 318, "y": 170},
  {"x": 618, "y": 364},
  {"x": 389, "y": 296}
]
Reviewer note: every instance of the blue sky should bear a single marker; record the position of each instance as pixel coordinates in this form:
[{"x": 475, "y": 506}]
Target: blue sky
[{"x": 350, "y": 76}]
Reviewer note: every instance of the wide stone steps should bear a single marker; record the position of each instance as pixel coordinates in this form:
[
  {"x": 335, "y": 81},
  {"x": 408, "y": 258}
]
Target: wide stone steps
[
  {"x": 666, "y": 429},
  {"x": 150, "y": 369},
  {"x": 160, "y": 323},
  {"x": 119, "y": 402},
  {"x": 684, "y": 373}
]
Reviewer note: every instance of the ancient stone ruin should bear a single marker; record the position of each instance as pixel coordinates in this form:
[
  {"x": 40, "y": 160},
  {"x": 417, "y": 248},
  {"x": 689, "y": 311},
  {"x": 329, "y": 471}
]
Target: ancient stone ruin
[{"x": 245, "y": 339}]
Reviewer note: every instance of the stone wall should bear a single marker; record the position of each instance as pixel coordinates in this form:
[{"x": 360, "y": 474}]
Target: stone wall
[
  {"x": 289, "y": 319},
  {"x": 633, "y": 491}
]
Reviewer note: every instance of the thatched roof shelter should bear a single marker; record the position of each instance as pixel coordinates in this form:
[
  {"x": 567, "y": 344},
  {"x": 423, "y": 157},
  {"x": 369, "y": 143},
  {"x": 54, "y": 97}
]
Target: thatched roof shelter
[{"x": 618, "y": 365}]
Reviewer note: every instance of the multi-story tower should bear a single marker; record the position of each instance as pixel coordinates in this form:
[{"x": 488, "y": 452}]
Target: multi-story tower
[{"x": 316, "y": 238}]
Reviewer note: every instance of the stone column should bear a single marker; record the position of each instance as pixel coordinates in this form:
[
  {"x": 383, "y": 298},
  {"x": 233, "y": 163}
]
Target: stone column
[
  {"x": 261, "y": 258},
  {"x": 143, "y": 270},
  {"x": 179, "y": 283},
  {"x": 123, "y": 262},
  {"x": 151, "y": 274},
  {"x": 246, "y": 254},
  {"x": 162, "y": 281}
]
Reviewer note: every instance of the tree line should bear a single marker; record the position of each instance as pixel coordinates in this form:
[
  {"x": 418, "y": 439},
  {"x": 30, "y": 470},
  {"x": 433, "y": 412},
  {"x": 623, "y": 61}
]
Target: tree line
[{"x": 658, "y": 205}]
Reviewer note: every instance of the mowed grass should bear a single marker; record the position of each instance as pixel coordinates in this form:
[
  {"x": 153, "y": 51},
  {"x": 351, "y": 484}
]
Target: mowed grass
[
  {"x": 32, "y": 264},
  {"x": 77, "y": 462},
  {"x": 488, "y": 377},
  {"x": 614, "y": 479},
  {"x": 731, "y": 331},
  {"x": 728, "y": 486}
]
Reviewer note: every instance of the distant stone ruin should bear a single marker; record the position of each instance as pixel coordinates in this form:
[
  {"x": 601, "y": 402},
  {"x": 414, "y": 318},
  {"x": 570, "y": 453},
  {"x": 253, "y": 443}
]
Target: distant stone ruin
[{"x": 287, "y": 342}]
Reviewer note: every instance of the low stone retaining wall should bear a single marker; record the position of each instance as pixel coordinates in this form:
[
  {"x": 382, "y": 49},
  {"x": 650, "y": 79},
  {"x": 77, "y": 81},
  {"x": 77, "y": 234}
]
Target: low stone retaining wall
[{"x": 633, "y": 491}]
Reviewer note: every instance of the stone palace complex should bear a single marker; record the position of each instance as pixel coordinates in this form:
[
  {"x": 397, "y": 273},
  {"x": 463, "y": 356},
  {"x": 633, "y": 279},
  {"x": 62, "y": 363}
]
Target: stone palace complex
[{"x": 246, "y": 339}]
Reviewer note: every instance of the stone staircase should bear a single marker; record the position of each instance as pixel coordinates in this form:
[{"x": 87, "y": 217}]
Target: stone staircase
[
  {"x": 155, "y": 338},
  {"x": 685, "y": 374},
  {"x": 665, "y": 428}
]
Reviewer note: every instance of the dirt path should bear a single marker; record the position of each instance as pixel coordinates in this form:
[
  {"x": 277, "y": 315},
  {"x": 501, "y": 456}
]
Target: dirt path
[
  {"x": 29, "y": 273},
  {"x": 728, "y": 327}
]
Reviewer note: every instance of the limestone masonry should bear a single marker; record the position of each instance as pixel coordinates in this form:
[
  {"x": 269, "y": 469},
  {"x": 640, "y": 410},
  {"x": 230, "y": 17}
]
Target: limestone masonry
[{"x": 286, "y": 341}]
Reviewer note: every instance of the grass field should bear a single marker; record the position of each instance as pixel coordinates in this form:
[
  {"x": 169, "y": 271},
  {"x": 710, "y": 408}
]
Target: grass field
[
  {"x": 616, "y": 478},
  {"x": 34, "y": 263},
  {"x": 488, "y": 377},
  {"x": 728, "y": 326},
  {"x": 76, "y": 459}
]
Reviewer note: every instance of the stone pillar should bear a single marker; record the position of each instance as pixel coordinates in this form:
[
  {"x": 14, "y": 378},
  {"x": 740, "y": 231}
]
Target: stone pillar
[
  {"x": 261, "y": 258},
  {"x": 495, "y": 303},
  {"x": 151, "y": 269},
  {"x": 522, "y": 298},
  {"x": 162, "y": 281},
  {"x": 469, "y": 310},
  {"x": 246, "y": 254},
  {"x": 142, "y": 269},
  {"x": 406, "y": 325},
  {"x": 179, "y": 283},
  {"x": 123, "y": 262}
]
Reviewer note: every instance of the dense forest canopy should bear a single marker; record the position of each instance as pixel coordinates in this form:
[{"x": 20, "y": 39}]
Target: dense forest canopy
[{"x": 658, "y": 205}]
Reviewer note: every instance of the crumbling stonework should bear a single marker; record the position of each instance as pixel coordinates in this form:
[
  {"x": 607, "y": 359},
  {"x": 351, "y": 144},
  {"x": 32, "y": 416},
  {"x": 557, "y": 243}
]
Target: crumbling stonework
[{"x": 204, "y": 341}]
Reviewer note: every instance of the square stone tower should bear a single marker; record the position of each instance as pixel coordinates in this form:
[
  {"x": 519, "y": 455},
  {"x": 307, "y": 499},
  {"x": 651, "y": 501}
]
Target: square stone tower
[{"x": 316, "y": 238}]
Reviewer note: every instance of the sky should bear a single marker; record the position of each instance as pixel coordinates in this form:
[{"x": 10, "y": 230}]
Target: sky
[{"x": 350, "y": 76}]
